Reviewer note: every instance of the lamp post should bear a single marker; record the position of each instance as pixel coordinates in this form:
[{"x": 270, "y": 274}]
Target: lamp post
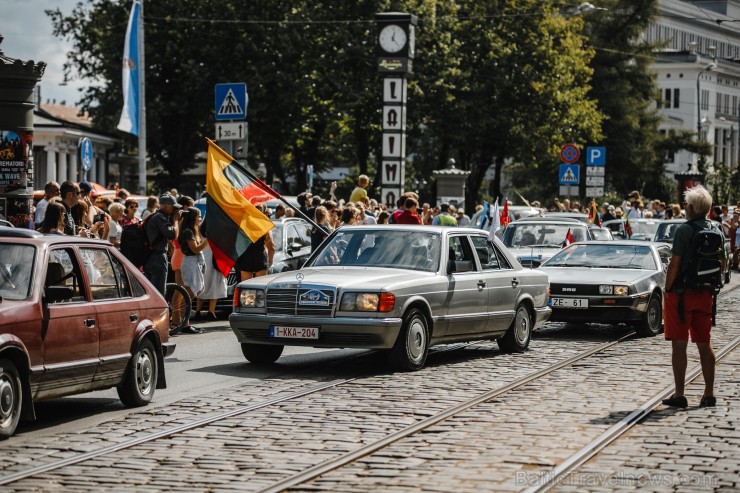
[{"x": 708, "y": 68}]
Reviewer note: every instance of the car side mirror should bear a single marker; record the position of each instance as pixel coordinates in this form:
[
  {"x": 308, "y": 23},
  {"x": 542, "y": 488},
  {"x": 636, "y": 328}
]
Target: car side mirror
[
  {"x": 295, "y": 246},
  {"x": 55, "y": 294}
]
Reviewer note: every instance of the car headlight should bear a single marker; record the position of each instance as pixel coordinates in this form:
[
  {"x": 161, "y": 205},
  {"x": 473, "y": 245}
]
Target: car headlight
[
  {"x": 367, "y": 302},
  {"x": 614, "y": 290},
  {"x": 621, "y": 290},
  {"x": 251, "y": 298}
]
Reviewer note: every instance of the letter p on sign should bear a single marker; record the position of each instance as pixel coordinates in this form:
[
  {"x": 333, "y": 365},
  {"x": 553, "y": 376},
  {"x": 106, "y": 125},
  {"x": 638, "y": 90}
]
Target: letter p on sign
[{"x": 596, "y": 156}]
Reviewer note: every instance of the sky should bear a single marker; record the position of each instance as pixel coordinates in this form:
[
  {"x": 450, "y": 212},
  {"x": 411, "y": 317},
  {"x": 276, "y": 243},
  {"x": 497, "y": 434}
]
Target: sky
[{"x": 28, "y": 36}]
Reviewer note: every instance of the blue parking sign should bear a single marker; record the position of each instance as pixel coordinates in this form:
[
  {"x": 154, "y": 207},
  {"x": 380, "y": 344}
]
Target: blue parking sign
[{"x": 595, "y": 156}]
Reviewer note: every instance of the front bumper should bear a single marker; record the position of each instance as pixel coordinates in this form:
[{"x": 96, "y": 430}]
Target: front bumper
[
  {"x": 168, "y": 348},
  {"x": 335, "y": 332},
  {"x": 607, "y": 309}
]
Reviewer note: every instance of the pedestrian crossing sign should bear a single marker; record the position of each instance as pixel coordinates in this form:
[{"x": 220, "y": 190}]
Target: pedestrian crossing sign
[
  {"x": 231, "y": 101},
  {"x": 570, "y": 174}
]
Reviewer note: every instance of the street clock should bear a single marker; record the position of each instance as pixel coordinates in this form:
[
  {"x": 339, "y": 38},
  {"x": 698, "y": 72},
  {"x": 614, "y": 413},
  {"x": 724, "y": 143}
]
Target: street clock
[{"x": 396, "y": 41}]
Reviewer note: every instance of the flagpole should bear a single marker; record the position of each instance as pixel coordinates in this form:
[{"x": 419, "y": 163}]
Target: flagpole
[{"x": 142, "y": 102}]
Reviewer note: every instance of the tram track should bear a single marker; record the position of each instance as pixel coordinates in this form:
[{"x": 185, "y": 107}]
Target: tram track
[
  {"x": 582, "y": 456},
  {"x": 331, "y": 464}
]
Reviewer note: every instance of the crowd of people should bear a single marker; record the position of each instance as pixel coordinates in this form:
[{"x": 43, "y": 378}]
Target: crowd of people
[{"x": 181, "y": 252}]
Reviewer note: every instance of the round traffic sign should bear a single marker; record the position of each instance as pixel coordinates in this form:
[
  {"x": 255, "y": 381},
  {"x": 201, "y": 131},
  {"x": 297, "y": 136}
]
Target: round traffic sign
[
  {"x": 569, "y": 153},
  {"x": 85, "y": 149}
]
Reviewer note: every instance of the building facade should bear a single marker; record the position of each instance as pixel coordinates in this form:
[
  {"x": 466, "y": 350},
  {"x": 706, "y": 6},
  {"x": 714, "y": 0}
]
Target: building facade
[{"x": 698, "y": 73}]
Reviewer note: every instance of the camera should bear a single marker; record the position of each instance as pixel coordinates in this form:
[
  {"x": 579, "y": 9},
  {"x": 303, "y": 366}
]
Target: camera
[{"x": 99, "y": 217}]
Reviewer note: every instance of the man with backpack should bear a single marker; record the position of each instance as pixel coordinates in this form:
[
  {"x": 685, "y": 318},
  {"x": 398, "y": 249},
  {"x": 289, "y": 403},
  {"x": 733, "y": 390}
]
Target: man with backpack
[
  {"x": 160, "y": 228},
  {"x": 693, "y": 280}
]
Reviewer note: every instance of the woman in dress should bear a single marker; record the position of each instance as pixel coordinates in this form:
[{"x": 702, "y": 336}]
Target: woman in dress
[
  {"x": 192, "y": 245},
  {"x": 214, "y": 282}
]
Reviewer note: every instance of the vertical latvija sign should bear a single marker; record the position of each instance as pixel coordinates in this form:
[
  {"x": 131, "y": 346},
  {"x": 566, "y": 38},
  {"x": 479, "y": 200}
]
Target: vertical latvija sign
[{"x": 396, "y": 39}]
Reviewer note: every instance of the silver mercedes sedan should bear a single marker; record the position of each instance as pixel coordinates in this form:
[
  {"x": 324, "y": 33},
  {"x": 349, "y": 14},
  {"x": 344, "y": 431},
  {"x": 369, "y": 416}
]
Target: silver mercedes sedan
[
  {"x": 610, "y": 282},
  {"x": 396, "y": 288}
]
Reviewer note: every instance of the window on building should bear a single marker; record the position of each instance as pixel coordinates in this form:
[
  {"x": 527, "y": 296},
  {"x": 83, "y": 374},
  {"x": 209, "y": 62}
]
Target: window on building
[
  {"x": 705, "y": 99},
  {"x": 667, "y": 99},
  {"x": 676, "y": 97}
]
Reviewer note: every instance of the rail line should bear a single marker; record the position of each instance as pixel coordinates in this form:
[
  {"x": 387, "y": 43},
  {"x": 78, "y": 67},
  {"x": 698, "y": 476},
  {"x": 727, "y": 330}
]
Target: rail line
[
  {"x": 349, "y": 457},
  {"x": 575, "y": 461},
  {"x": 11, "y": 478}
]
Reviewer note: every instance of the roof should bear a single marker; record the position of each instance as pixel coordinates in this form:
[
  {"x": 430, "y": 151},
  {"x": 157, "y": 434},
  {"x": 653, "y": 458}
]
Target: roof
[{"x": 70, "y": 114}]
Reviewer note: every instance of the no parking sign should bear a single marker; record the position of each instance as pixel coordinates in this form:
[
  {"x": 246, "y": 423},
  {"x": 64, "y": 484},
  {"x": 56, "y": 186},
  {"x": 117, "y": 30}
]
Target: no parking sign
[{"x": 569, "y": 153}]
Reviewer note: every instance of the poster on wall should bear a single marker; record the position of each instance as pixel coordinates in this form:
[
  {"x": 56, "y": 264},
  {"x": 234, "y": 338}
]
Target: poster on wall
[{"x": 15, "y": 150}]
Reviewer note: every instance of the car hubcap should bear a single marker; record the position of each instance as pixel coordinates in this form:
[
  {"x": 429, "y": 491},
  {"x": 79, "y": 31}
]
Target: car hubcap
[
  {"x": 522, "y": 326},
  {"x": 144, "y": 373},
  {"x": 7, "y": 399},
  {"x": 416, "y": 340},
  {"x": 653, "y": 315}
]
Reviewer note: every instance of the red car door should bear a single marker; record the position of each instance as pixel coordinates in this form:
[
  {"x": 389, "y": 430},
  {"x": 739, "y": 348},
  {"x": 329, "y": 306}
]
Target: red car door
[
  {"x": 116, "y": 310},
  {"x": 69, "y": 329}
]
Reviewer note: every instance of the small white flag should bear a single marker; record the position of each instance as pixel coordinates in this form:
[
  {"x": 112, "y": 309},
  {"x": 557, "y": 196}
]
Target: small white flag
[{"x": 495, "y": 221}]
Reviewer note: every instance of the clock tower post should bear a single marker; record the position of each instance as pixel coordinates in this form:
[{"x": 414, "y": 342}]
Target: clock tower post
[{"x": 396, "y": 50}]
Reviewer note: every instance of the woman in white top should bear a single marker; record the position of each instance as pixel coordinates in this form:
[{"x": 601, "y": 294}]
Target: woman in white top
[{"x": 113, "y": 230}]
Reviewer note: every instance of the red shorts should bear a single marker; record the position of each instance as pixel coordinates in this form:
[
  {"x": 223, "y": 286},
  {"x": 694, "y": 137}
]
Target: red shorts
[{"x": 697, "y": 319}]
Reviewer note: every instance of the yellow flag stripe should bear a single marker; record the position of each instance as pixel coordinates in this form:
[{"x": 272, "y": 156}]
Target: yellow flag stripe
[{"x": 235, "y": 206}]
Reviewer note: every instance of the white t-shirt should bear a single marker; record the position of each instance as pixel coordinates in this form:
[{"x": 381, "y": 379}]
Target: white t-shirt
[
  {"x": 38, "y": 216},
  {"x": 114, "y": 230}
]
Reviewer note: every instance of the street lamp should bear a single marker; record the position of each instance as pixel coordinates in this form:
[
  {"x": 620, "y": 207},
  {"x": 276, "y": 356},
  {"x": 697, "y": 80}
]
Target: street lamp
[{"x": 708, "y": 68}]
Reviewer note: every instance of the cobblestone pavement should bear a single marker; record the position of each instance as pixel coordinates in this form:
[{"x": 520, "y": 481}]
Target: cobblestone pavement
[{"x": 501, "y": 445}]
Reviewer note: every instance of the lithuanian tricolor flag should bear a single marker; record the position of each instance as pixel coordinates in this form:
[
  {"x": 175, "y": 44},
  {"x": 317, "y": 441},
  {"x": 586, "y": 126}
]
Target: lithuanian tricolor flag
[{"x": 233, "y": 220}]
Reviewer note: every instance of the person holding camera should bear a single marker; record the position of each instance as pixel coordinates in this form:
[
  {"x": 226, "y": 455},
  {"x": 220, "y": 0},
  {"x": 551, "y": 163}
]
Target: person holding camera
[
  {"x": 70, "y": 195},
  {"x": 160, "y": 230}
]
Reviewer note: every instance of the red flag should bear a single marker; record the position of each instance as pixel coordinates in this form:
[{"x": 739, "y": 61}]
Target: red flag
[
  {"x": 568, "y": 239},
  {"x": 628, "y": 228},
  {"x": 505, "y": 219}
]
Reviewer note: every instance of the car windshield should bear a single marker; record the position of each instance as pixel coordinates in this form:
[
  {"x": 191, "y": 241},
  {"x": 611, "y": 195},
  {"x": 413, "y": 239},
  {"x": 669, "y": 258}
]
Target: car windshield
[
  {"x": 666, "y": 231},
  {"x": 601, "y": 234},
  {"x": 16, "y": 269},
  {"x": 604, "y": 256},
  {"x": 277, "y": 236},
  {"x": 394, "y": 249},
  {"x": 538, "y": 234},
  {"x": 644, "y": 230}
]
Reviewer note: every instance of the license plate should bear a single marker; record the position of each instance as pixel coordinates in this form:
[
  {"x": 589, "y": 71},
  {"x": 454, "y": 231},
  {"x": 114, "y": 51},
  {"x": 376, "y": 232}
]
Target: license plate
[
  {"x": 569, "y": 302},
  {"x": 294, "y": 332}
]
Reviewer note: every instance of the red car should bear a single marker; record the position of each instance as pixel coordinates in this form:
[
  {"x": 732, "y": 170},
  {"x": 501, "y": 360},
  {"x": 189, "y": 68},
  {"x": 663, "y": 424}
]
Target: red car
[{"x": 75, "y": 316}]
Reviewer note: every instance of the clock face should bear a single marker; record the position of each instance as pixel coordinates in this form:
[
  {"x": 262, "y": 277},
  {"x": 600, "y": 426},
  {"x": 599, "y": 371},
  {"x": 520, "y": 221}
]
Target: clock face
[{"x": 392, "y": 38}]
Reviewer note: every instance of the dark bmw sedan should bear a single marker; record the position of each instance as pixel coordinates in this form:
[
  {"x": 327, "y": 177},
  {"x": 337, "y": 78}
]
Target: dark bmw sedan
[{"x": 609, "y": 282}]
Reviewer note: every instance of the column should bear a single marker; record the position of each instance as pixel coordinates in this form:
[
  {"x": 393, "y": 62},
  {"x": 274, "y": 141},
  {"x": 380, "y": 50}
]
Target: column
[
  {"x": 51, "y": 164},
  {"x": 74, "y": 172},
  {"x": 101, "y": 178},
  {"x": 62, "y": 174},
  {"x": 92, "y": 175}
]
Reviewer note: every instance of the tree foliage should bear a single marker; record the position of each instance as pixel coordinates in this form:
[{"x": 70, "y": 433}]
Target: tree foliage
[{"x": 503, "y": 82}]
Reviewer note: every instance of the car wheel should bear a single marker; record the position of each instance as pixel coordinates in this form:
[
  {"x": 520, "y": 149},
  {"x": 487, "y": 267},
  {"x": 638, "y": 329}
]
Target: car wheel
[
  {"x": 412, "y": 345},
  {"x": 11, "y": 398},
  {"x": 137, "y": 388},
  {"x": 516, "y": 339},
  {"x": 650, "y": 325},
  {"x": 261, "y": 354}
]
